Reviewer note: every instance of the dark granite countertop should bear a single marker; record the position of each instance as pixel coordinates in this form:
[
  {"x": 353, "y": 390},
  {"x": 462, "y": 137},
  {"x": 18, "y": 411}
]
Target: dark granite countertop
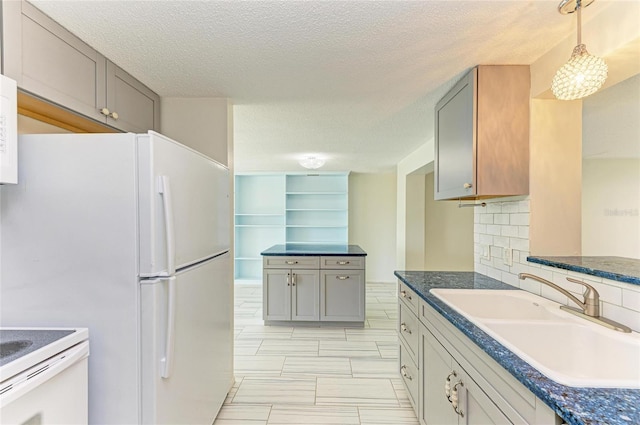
[
  {"x": 576, "y": 406},
  {"x": 620, "y": 269},
  {"x": 314, "y": 249}
]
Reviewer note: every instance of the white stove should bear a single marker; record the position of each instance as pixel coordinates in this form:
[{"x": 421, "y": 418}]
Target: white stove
[{"x": 43, "y": 376}]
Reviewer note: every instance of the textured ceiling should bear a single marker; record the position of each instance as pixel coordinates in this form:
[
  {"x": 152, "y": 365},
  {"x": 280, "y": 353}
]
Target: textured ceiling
[{"x": 352, "y": 81}]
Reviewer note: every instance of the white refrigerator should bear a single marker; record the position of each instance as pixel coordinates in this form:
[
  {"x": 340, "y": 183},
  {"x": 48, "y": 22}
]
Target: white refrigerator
[{"x": 127, "y": 235}]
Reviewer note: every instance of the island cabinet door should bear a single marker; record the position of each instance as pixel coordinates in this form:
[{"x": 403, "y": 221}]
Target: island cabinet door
[
  {"x": 342, "y": 295},
  {"x": 305, "y": 294},
  {"x": 276, "y": 293}
]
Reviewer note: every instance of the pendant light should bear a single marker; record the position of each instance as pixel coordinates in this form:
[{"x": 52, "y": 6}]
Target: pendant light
[{"x": 583, "y": 74}]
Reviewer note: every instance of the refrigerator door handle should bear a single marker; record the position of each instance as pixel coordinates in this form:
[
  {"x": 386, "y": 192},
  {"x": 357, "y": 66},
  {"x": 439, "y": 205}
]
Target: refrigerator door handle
[
  {"x": 165, "y": 191},
  {"x": 167, "y": 361}
]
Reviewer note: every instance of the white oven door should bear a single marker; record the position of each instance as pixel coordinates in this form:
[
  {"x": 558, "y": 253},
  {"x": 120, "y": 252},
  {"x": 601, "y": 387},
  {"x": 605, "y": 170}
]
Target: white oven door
[{"x": 51, "y": 392}]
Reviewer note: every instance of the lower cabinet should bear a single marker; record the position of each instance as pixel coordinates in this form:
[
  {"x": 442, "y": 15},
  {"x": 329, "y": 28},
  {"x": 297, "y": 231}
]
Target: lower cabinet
[
  {"x": 291, "y": 294},
  {"x": 450, "y": 380},
  {"x": 301, "y": 289},
  {"x": 342, "y": 295},
  {"x": 450, "y": 396}
]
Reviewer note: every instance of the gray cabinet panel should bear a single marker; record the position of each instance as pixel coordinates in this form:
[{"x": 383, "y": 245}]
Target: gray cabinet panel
[
  {"x": 305, "y": 290},
  {"x": 138, "y": 108},
  {"x": 455, "y": 125},
  {"x": 47, "y": 60},
  {"x": 276, "y": 295},
  {"x": 436, "y": 365},
  {"x": 342, "y": 295}
]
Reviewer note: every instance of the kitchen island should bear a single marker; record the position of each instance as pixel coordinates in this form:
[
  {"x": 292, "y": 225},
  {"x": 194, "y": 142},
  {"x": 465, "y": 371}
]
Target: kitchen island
[
  {"x": 314, "y": 284},
  {"x": 498, "y": 369}
]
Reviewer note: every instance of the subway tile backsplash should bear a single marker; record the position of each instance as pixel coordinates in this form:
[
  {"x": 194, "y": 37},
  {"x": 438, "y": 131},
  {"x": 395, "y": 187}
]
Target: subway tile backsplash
[{"x": 501, "y": 247}]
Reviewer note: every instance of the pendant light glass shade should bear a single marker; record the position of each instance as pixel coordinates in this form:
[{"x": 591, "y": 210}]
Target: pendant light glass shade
[{"x": 581, "y": 76}]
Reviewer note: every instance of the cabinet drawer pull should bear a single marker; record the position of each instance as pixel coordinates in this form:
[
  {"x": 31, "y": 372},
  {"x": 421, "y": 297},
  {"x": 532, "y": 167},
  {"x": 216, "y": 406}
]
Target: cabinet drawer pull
[
  {"x": 404, "y": 295},
  {"x": 403, "y": 370},
  {"x": 293, "y": 279},
  {"x": 467, "y": 185},
  {"x": 342, "y": 277},
  {"x": 290, "y": 262},
  {"x": 288, "y": 279},
  {"x": 404, "y": 328},
  {"x": 343, "y": 263}
]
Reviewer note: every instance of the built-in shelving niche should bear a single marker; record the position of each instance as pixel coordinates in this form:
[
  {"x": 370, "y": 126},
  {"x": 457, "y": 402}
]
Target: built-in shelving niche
[{"x": 287, "y": 208}]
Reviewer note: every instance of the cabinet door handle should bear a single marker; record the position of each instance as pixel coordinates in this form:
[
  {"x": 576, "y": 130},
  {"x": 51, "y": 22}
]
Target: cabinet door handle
[
  {"x": 291, "y": 262},
  {"x": 404, "y": 328},
  {"x": 404, "y": 295},
  {"x": 342, "y": 277},
  {"x": 343, "y": 263},
  {"x": 454, "y": 399},
  {"x": 447, "y": 385},
  {"x": 107, "y": 113},
  {"x": 288, "y": 279},
  {"x": 467, "y": 185},
  {"x": 293, "y": 279},
  {"x": 403, "y": 371}
]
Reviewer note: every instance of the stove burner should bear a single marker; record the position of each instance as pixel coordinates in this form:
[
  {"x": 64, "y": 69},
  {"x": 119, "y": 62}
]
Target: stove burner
[{"x": 11, "y": 347}]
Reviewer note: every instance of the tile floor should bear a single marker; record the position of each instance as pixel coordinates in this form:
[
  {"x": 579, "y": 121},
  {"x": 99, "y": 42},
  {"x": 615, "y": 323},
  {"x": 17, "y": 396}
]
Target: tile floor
[{"x": 309, "y": 375}]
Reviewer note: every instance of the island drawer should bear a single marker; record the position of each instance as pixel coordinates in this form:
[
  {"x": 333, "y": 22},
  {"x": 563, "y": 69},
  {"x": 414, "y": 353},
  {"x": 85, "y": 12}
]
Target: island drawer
[
  {"x": 350, "y": 262},
  {"x": 282, "y": 262}
]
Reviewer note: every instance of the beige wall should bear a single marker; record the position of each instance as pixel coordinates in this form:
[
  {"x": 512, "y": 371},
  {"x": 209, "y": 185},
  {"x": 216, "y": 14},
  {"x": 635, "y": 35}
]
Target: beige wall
[
  {"x": 415, "y": 219},
  {"x": 448, "y": 233},
  {"x": 421, "y": 158},
  {"x": 555, "y": 177},
  {"x": 372, "y": 222},
  {"x": 203, "y": 124},
  {"x": 610, "y": 207}
]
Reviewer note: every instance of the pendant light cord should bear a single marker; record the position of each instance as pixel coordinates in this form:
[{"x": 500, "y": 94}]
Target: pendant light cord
[{"x": 579, "y": 10}]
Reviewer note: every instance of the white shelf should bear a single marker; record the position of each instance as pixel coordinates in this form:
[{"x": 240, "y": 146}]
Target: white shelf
[
  {"x": 320, "y": 226},
  {"x": 259, "y": 225},
  {"x": 287, "y": 208}
]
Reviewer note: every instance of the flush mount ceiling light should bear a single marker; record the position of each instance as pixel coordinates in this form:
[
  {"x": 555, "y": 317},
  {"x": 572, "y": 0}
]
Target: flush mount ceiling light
[
  {"x": 311, "y": 162},
  {"x": 583, "y": 74}
]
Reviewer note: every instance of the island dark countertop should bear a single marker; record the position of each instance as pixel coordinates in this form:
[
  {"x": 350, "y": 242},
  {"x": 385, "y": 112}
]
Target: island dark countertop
[
  {"x": 314, "y": 250},
  {"x": 576, "y": 406}
]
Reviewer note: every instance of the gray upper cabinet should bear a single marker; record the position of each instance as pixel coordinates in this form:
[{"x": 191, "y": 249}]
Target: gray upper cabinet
[
  {"x": 482, "y": 135},
  {"x": 49, "y": 62},
  {"x": 136, "y": 107}
]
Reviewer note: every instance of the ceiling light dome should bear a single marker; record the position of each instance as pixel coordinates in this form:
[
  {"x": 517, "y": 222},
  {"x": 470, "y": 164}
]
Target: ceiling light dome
[{"x": 311, "y": 162}]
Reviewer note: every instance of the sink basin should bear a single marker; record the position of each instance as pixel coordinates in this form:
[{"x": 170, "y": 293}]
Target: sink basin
[
  {"x": 567, "y": 349},
  {"x": 499, "y": 304}
]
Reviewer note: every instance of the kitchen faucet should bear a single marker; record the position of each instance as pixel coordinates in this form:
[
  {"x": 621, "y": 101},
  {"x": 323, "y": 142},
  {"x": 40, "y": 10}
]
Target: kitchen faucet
[
  {"x": 591, "y": 304},
  {"x": 589, "y": 307}
]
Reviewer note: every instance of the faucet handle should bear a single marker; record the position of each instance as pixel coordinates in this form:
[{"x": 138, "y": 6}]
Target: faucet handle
[{"x": 591, "y": 297}]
